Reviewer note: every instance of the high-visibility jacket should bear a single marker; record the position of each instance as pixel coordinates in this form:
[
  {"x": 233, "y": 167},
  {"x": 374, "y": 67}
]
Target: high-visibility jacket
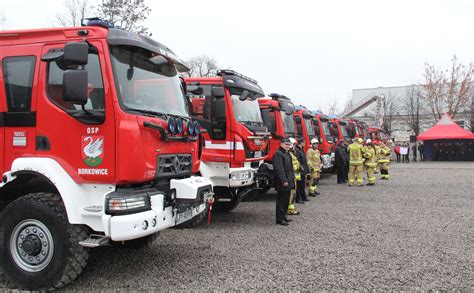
[
  {"x": 370, "y": 157},
  {"x": 314, "y": 160},
  {"x": 384, "y": 154},
  {"x": 296, "y": 165},
  {"x": 355, "y": 154}
]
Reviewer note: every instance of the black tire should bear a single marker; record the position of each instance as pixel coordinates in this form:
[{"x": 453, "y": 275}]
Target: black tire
[
  {"x": 264, "y": 189},
  {"x": 225, "y": 206},
  {"x": 250, "y": 194},
  {"x": 194, "y": 222},
  {"x": 139, "y": 243},
  {"x": 42, "y": 218}
]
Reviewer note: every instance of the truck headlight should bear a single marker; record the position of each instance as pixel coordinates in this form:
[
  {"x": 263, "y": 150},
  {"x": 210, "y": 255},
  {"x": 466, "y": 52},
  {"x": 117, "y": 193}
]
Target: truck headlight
[
  {"x": 126, "y": 204},
  {"x": 241, "y": 175}
]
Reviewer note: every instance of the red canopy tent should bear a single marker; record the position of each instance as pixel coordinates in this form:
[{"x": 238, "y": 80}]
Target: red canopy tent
[{"x": 446, "y": 128}]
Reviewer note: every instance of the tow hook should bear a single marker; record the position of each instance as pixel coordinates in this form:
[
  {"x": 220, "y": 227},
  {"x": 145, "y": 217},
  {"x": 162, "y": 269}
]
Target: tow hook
[{"x": 210, "y": 202}]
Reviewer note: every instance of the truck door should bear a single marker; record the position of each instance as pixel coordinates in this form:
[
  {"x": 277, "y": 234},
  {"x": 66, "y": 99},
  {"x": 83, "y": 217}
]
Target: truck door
[
  {"x": 80, "y": 138},
  {"x": 18, "y": 116}
]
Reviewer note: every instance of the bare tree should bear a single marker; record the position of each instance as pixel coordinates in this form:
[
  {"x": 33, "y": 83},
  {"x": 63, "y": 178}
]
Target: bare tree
[
  {"x": 126, "y": 14},
  {"x": 391, "y": 106},
  {"x": 349, "y": 105},
  {"x": 3, "y": 21},
  {"x": 332, "y": 107},
  {"x": 412, "y": 105},
  {"x": 448, "y": 90},
  {"x": 75, "y": 10},
  {"x": 202, "y": 66}
]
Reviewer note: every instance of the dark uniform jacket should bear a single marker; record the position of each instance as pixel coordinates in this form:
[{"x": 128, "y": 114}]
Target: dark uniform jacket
[
  {"x": 300, "y": 155},
  {"x": 283, "y": 171},
  {"x": 341, "y": 157}
]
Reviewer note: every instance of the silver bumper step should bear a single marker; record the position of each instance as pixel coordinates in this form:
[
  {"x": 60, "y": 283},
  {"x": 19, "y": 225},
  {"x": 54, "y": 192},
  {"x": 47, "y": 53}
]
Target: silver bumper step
[{"x": 95, "y": 240}]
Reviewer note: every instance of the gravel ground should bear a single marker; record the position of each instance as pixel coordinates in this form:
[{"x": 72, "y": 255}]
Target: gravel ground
[{"x": 415, "y": 231}]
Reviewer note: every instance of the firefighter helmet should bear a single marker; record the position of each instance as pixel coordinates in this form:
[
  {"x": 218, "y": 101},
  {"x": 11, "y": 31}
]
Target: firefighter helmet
[{"x": 314, "y": 140}]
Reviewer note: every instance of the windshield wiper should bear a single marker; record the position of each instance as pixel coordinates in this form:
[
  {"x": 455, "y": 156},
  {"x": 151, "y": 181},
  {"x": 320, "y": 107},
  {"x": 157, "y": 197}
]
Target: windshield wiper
[
  {"x": 252, "y": 122},
  {"x": 150, "y": 113}
]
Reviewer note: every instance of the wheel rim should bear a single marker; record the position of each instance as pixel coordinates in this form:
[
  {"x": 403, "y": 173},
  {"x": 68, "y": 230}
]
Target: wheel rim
[{"x": 31, "y": 245}]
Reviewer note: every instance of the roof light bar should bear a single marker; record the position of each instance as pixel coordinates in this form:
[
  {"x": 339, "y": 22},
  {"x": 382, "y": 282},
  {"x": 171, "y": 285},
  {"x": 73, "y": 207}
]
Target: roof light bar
[
  {"x": 223, "y": 72},
  {"x": 278, "y": 96},
  {"x": 95, "y": 21}
]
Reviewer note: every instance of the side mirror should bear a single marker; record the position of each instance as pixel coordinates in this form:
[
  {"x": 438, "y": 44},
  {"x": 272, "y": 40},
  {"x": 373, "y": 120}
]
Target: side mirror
[
  {"x": 219, "y": 109},
  {"x": 244, "y": 95},
  {"x": 76, "y": 53},
  {"x": 75, "y": 86},
  {"x": 217, "y": 91},
  {"x": 195, "y": 90}
]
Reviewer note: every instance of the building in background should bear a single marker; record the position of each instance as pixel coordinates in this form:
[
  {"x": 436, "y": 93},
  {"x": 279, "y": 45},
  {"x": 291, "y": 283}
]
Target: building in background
[{"x": 392, "y": 112}]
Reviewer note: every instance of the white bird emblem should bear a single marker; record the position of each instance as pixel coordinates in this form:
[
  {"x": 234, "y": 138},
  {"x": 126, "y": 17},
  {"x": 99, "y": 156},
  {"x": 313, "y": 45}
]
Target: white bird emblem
[{"x": 94, "y": 148}]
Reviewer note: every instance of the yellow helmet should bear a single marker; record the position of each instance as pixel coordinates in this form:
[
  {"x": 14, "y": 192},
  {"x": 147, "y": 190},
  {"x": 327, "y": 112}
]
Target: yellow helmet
[{"x": 360, "y": 140}]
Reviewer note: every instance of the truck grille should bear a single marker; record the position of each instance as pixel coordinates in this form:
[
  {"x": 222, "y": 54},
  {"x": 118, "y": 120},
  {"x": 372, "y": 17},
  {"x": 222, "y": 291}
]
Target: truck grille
[{"x": 173, "y": 166}]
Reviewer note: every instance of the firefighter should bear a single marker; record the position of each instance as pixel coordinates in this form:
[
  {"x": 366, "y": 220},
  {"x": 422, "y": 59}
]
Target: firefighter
[
  {"x": 301, "y": 196},
  {"x": 314, "y": 163},
  {"x": 356, "y": 168},
  {"x": 384, "y": 160},
  {"x": 297, "y": 170},
  {"x": 370, "y": 161},
  {"x": 284, "y": 180}
]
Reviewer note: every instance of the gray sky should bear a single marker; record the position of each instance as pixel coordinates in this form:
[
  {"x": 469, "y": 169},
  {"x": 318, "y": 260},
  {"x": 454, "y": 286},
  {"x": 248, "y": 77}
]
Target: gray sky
[{"x": 311, "y": 51}]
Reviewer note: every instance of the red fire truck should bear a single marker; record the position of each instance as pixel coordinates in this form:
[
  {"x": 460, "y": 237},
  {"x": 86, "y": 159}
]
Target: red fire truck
[
  {"x": 92, "y": 153},
  {"x": 309, "y": 126},
  {"x": 277, "y": 114},
  {"x": 378, "y": 134},
  {"x": 327, "y": 138},
  {"x": 236, "y": 138},
  {"x": 343, "y": 131}
]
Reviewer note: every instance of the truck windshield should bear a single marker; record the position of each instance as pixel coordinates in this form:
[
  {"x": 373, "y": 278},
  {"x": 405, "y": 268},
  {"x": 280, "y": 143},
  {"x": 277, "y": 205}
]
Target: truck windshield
[
  {"x": 143, "y": 86},
  {"x": 326, "y": 130},
  {"x": 345, "y": 133},
  {"x": 309, "y": 127},
  {"x": 246, "y": 111},
  {"x": 288, "y": 123}
]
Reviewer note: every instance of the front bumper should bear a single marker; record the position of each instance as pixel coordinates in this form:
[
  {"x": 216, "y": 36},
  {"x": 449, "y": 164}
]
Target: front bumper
[
  {"x": 162, "y": 213},
  {"x": 328, "y": 161},
  {"x": 239, "y": 177}
]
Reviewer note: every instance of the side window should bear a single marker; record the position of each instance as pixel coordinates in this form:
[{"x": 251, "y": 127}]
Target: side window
[
  {"x": 96, "y": 101},
  {"x": 18, "y": 77}
]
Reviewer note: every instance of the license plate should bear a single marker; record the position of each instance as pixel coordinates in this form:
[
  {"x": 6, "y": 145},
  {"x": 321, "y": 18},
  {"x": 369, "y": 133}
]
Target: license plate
[
  {"x": 257, "y": 154},
  {"x": 184, "y": 216}
]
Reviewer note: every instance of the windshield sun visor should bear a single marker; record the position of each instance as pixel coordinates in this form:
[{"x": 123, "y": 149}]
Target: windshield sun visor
[{"x": 124, "y": 38}]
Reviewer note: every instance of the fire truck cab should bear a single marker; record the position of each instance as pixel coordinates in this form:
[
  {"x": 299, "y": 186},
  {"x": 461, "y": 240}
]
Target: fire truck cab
[
  {"x": 96, "y": 147},
  {"x": 378, "y": 134},
  {"x": 235, "y": 140},
  {"x": 327, "y": 138},
  {"x": 277, "y": 114},
  {"x": 343, "y": 129}
]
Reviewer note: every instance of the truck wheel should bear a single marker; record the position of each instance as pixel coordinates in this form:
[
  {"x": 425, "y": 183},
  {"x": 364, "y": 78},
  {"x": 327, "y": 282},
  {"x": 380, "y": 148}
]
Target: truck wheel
[
  {"x": 194, "y": 222},
  {"x": 139, "y": 243},
  {"x": 265, "y": 189},
  {"x": 225, "y": 206},
  {"x": 249, "y": 194},
  {"x": 39, "y": 249}
]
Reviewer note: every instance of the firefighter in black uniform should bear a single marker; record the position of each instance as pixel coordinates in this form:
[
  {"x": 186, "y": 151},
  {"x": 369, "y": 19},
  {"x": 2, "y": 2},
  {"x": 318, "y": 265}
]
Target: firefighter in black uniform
[
  {"x": 284, "y": 180},
  {"x": 301, "y": 196}
]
